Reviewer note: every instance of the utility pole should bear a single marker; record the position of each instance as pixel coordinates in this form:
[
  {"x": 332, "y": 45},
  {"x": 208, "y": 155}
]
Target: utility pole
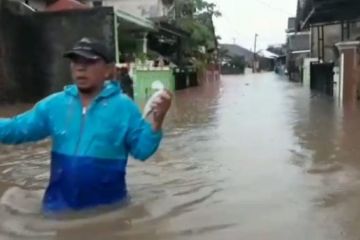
[
  {"x": 254, "y": 60},
  {"x": 177, "y": 9}
]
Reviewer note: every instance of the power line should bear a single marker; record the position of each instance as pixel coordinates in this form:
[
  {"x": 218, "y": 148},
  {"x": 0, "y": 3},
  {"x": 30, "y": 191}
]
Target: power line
[
  {"x": 274, "y": 8},
  {"x": 240, "y": 35},
  {"x": 265, "y": 3}
]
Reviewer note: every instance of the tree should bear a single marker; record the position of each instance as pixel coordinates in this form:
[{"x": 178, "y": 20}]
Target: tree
[
  {"x": 168, "y": 2},
  {"x": 209, "y": 8},
  {"x": 196, "y": 18}
]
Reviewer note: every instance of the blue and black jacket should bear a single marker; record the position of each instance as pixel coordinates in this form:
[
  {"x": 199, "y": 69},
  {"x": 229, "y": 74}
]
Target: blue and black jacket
[{"x": 90, "y": 147}]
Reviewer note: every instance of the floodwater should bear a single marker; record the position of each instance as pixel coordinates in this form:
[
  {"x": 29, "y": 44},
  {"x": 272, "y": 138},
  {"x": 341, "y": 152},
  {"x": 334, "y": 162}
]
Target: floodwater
[{"x": 246, "y": 157}]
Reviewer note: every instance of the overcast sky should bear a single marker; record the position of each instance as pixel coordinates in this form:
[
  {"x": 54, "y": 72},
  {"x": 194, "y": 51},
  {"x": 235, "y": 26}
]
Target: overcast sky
[{"x": 242, "y": 19}]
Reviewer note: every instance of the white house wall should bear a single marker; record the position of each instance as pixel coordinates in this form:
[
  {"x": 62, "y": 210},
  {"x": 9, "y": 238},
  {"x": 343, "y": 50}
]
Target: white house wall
[
  {"x": 332, "y": 35},
  {"x": 141, "y": 8}
]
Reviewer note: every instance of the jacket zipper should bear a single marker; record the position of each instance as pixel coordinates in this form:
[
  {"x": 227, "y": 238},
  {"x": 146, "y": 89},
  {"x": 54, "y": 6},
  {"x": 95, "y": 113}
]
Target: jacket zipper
[
  {"x": 84, "y": 114},
  {"x": 83, "y": 120}
]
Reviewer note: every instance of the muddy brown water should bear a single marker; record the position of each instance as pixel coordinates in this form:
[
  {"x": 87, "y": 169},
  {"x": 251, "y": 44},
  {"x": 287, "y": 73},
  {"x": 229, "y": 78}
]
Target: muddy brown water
[{"x": 247, "y": 157}]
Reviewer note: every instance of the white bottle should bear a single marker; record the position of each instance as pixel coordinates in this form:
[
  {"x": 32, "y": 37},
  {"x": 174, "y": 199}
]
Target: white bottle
[{"x": 160, "y": 88}]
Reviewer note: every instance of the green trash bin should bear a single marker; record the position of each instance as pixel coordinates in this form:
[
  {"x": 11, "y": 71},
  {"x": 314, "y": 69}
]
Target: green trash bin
[{"x": 143, "y": 79}]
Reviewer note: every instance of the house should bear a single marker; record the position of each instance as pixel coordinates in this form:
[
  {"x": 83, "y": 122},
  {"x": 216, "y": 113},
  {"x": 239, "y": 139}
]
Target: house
[
  {"x": 142, "y": 32},
  {"x": 140, "y": 8},
  {"x": 298, "y": 49},
  {"x": 35, "y": 39},
  {"x": 267, "y": 60},
  {"x": 335, "y": 31},
  {"x": 138, "y": 20},
  {"x": 234, "y": 58},
  {"x": 150, "y": 9},
  {"x": 233, "y": 50}
]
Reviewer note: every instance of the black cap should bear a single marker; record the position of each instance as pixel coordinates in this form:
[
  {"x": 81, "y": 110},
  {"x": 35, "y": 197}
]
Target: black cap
[{"x": 91, "y": 49}]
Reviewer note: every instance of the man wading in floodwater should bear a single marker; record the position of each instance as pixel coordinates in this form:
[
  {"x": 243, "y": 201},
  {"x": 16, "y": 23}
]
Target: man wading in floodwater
[{"x": 93, "y": 129}]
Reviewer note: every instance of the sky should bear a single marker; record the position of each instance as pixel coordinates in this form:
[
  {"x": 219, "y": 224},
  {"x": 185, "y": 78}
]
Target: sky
[{"x": 241, "y": 19}]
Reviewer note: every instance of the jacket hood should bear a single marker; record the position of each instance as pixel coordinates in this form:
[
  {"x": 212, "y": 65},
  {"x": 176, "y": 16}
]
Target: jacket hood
[{"x": 110, "y": 88}]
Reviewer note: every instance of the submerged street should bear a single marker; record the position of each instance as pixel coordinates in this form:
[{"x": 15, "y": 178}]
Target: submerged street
[{"x": 248, "y": 157}]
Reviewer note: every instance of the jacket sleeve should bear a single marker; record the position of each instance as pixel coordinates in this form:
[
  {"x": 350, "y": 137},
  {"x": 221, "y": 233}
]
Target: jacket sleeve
[
  {"x": 27, "y": 127},
  {"x": 141, "y": 140}
]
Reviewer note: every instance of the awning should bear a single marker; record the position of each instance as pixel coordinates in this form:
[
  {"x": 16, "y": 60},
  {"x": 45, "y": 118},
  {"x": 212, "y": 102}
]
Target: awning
[
  {"x": 170, "y": 29},
  {"x": 328, "y": 11},
  {"x": 300, "y": 51},
  {"x": 131, "y": 22},
  {"x": 267, "y": 54},
  {"x": 299, "y": 33}
]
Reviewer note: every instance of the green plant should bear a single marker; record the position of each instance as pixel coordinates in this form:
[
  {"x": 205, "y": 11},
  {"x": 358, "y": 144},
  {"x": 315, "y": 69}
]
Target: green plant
[
  {"x": 196, "y": 18},
  {"x": 142, "y": 57},
  {"x": 238, "y": 62}
]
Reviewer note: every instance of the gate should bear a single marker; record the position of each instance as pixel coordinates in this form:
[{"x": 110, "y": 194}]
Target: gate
[{"x": 322, "y": 77}]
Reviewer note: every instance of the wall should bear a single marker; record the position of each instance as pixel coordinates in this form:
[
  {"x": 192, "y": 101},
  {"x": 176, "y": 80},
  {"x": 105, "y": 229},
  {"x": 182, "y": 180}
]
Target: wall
[
  {"x": 299, "y": 41},
  {"x": 351, "y": 75},
  {"x": 140, "y": 8},
  {"x": 306, "y": 71},
  {"x": 31, "y": 48},
  {"x": 291, "y": 24},
  {"x": 332, "y": 35},
  {"x": 355, "y": 30}
]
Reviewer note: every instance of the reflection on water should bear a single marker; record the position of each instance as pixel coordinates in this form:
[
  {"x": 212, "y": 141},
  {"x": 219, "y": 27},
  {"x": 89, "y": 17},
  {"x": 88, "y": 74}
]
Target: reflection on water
[{"x": 250, "y": 156}]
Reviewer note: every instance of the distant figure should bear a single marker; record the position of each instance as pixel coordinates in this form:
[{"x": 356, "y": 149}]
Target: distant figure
[{"x": 126, "y": 82}]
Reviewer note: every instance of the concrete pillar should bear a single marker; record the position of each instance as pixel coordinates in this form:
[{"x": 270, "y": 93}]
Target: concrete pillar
[
  {"x": 145, "y": 43},
  {"x": 349, "y": 70}
]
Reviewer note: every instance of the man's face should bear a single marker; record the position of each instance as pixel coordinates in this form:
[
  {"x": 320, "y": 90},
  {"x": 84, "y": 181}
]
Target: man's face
[{"x": 89, "y": 75}]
